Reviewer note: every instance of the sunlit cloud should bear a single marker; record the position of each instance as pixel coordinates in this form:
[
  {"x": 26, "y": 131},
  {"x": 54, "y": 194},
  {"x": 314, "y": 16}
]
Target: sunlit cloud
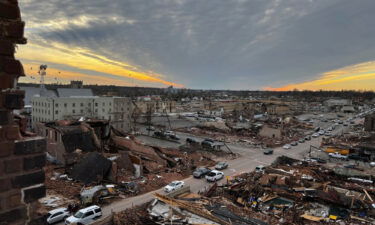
[
  {"x": 81, "y": 58},
  {"x": 355, "y": 77}
]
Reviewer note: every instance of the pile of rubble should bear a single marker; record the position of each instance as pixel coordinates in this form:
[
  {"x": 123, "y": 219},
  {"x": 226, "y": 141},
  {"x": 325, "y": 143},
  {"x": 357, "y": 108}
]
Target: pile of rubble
[
  {"x": 295, "y": 192},
  {"x": 115, "y": 166}
]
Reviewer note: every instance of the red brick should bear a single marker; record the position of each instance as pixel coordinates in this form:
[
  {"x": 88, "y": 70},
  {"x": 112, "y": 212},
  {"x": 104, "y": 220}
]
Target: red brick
[
  {"x": 13, "y": 165},
  {"x": 2, "y": 169},
  {"x": 5, "y": 116},
  {"x": 6, "y": 148},
  {"x": 11, "y": 66},
  {"x": 7, "y": 80},
  {"x": 9, "y": 11},
  {"x": 12, "y": 99},
  {"x": 10, "y": 133},
  {"x": 5, "y": 184},
  {"x": 13, "y": 30},
  {"x": 13, "y": 200},
  {"x": 6, "y": 48}
]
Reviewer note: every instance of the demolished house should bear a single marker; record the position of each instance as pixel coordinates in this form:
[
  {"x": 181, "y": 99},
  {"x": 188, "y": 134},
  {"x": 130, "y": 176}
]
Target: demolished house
[
  {"x": 65, "y": 137},
  {"x": 296, "y": 192}
]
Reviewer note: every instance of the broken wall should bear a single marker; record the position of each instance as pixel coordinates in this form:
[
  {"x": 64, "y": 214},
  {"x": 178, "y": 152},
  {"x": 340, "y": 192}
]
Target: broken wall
[{"x": 21, "y": 159}]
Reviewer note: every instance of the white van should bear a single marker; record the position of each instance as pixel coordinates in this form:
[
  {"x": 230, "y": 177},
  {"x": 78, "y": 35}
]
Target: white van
[{"x": 85, "y": 216}]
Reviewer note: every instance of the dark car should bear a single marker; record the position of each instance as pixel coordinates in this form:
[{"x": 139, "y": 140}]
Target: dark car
[
  {"x": 209, "y": 139},
  {"x": 191, "y": 140},
  {"x": 207, "y": 144},
  {"x": 159, "y": 134},
  {"x": 268, "y": 151},
  {"x": 354, "y": 156},
  {"x": 201, "y": 172},
  {"x": 174, "y": 137},
  {"x": 319, "y": 160},
  {"x": 221, "y": 165}
]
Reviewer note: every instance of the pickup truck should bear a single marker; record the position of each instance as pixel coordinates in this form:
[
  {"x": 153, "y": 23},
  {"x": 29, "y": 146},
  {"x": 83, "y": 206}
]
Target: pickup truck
[{"x": 338, "y": 156}]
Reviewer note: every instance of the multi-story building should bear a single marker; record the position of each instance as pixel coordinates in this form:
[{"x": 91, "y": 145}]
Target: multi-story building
[{"x": 115, "y": 109}]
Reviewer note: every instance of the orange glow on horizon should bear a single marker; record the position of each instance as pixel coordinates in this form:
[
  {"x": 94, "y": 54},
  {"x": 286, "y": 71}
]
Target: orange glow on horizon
[
  {"x": 354, "y": 77},
  {"x": 80, "y": 58}
]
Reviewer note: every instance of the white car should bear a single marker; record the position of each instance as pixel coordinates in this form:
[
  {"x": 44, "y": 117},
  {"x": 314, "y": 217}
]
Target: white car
[
  {"x": 338, "y": 155},
  {"x": 174, "y": 185},
  {"x": 315, "y": 135},
  {"x": 214, "y": 175},
  {"x": 321, "y": 132},
  {"x": 372, "y": 164},
  {"x": 287, "y": 146},
  {"x": 57, "y": 215},
  {"x": 85, "y": 216}
]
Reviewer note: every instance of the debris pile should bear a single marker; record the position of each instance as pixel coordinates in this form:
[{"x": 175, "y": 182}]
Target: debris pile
[{"x": 296, "y": 192}]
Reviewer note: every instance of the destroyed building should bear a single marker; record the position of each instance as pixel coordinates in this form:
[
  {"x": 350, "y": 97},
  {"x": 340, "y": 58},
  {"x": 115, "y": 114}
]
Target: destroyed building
[{"x": 65, "y": 137}]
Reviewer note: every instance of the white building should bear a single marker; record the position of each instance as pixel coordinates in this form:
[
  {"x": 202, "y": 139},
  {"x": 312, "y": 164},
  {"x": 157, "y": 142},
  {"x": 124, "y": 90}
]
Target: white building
[{"x": 115, "y": 109}]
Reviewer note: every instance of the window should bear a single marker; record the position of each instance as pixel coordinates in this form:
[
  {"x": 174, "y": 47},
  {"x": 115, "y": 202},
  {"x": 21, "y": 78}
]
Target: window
[
  {"x": 103, "y": 109},
  {"x": 56, "y": 112},
  {"x": 73, "y": 111},
  {"x": 87, "y": 214},
  {"x": 57, "y": 214},
  {"x": 65, "y": 105},
  {"x": 96, "y": 110},
  {"x": 46, "y": 132},
  {"x": 56, "y": 105},
  {"x": 96, "y": 104},
  {"x": 55, "y": 136},
  {"x": 103, "y": 103},
  {"x": 110, "y": 104},
  {"x": 81, "y": 110},
  {"x": 89, "y": 104},
  {"x": 98, "y": 210},
  {"x": 81, "y": 104},
  {"x": 74, "y": 104}
]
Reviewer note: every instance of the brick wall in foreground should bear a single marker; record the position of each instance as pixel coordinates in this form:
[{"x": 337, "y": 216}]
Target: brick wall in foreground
[{"x": 21, "y": 158}]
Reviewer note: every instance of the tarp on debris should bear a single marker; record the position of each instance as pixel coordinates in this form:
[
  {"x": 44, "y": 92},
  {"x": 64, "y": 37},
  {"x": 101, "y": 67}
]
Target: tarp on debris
[{"x": 92, "y": 168}]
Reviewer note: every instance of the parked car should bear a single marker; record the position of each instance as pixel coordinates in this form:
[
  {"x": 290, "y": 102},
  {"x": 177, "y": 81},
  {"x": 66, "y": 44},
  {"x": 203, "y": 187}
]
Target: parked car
[
  {"x": 328, "y": 134},
  {"x": 372, "y": 164},
  {"x": 338, "y": 155},
  {"x": 268, "y": 151},
  {"x": 174, "y": 137},
  {"x": 191, "y": 140},
  {"x": 294, "y": 143},
  {"x": 57, "y": 215},
  {"x": 354, "y": 156},
  {"x": 315, "y": 135},
  {"x": 321, "y": 132},
  {"x": 221, "y": 165},
  {"x": 174, "y": 185},
  {"x": 287, "y": 146},
  {"x": 85, "y": 216},
  {"x": 151, "y": 128},
  {"x": 319, "y": 160},
  {"x": 214, "y": 175},
  {"x": 201, "y": 172},
  {"x": 302, "y": 140},
  {"x": 308, "y": 138},
  {"x": 207, "y": 144}
]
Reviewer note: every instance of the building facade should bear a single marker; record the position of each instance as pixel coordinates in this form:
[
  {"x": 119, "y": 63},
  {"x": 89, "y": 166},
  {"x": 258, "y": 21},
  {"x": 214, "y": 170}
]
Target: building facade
[{"x": 117, "y": 110}]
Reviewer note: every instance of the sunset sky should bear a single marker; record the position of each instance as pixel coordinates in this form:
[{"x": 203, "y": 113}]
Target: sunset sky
[{"x": 210, "y": 44}]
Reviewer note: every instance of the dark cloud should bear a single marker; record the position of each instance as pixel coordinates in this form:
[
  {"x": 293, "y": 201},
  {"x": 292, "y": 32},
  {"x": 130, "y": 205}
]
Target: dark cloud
[{"x": 234, "y": 44}]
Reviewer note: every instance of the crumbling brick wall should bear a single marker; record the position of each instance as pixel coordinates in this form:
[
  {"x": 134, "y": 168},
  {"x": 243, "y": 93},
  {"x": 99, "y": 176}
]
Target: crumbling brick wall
[{"x": 21, "y": 159}]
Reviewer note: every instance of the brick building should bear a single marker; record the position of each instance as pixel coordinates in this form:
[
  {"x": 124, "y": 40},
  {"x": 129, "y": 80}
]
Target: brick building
[{"x": 21, "y": 158}]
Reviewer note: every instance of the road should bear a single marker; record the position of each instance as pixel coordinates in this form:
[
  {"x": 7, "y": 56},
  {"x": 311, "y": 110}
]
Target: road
[
  {"x": 249, "y": 159},
  {"x": 245, "y": 163}
]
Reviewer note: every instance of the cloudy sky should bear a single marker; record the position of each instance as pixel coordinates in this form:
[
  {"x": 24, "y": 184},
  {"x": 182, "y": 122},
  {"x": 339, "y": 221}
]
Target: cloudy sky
[{"x": 209, "y": 44}]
